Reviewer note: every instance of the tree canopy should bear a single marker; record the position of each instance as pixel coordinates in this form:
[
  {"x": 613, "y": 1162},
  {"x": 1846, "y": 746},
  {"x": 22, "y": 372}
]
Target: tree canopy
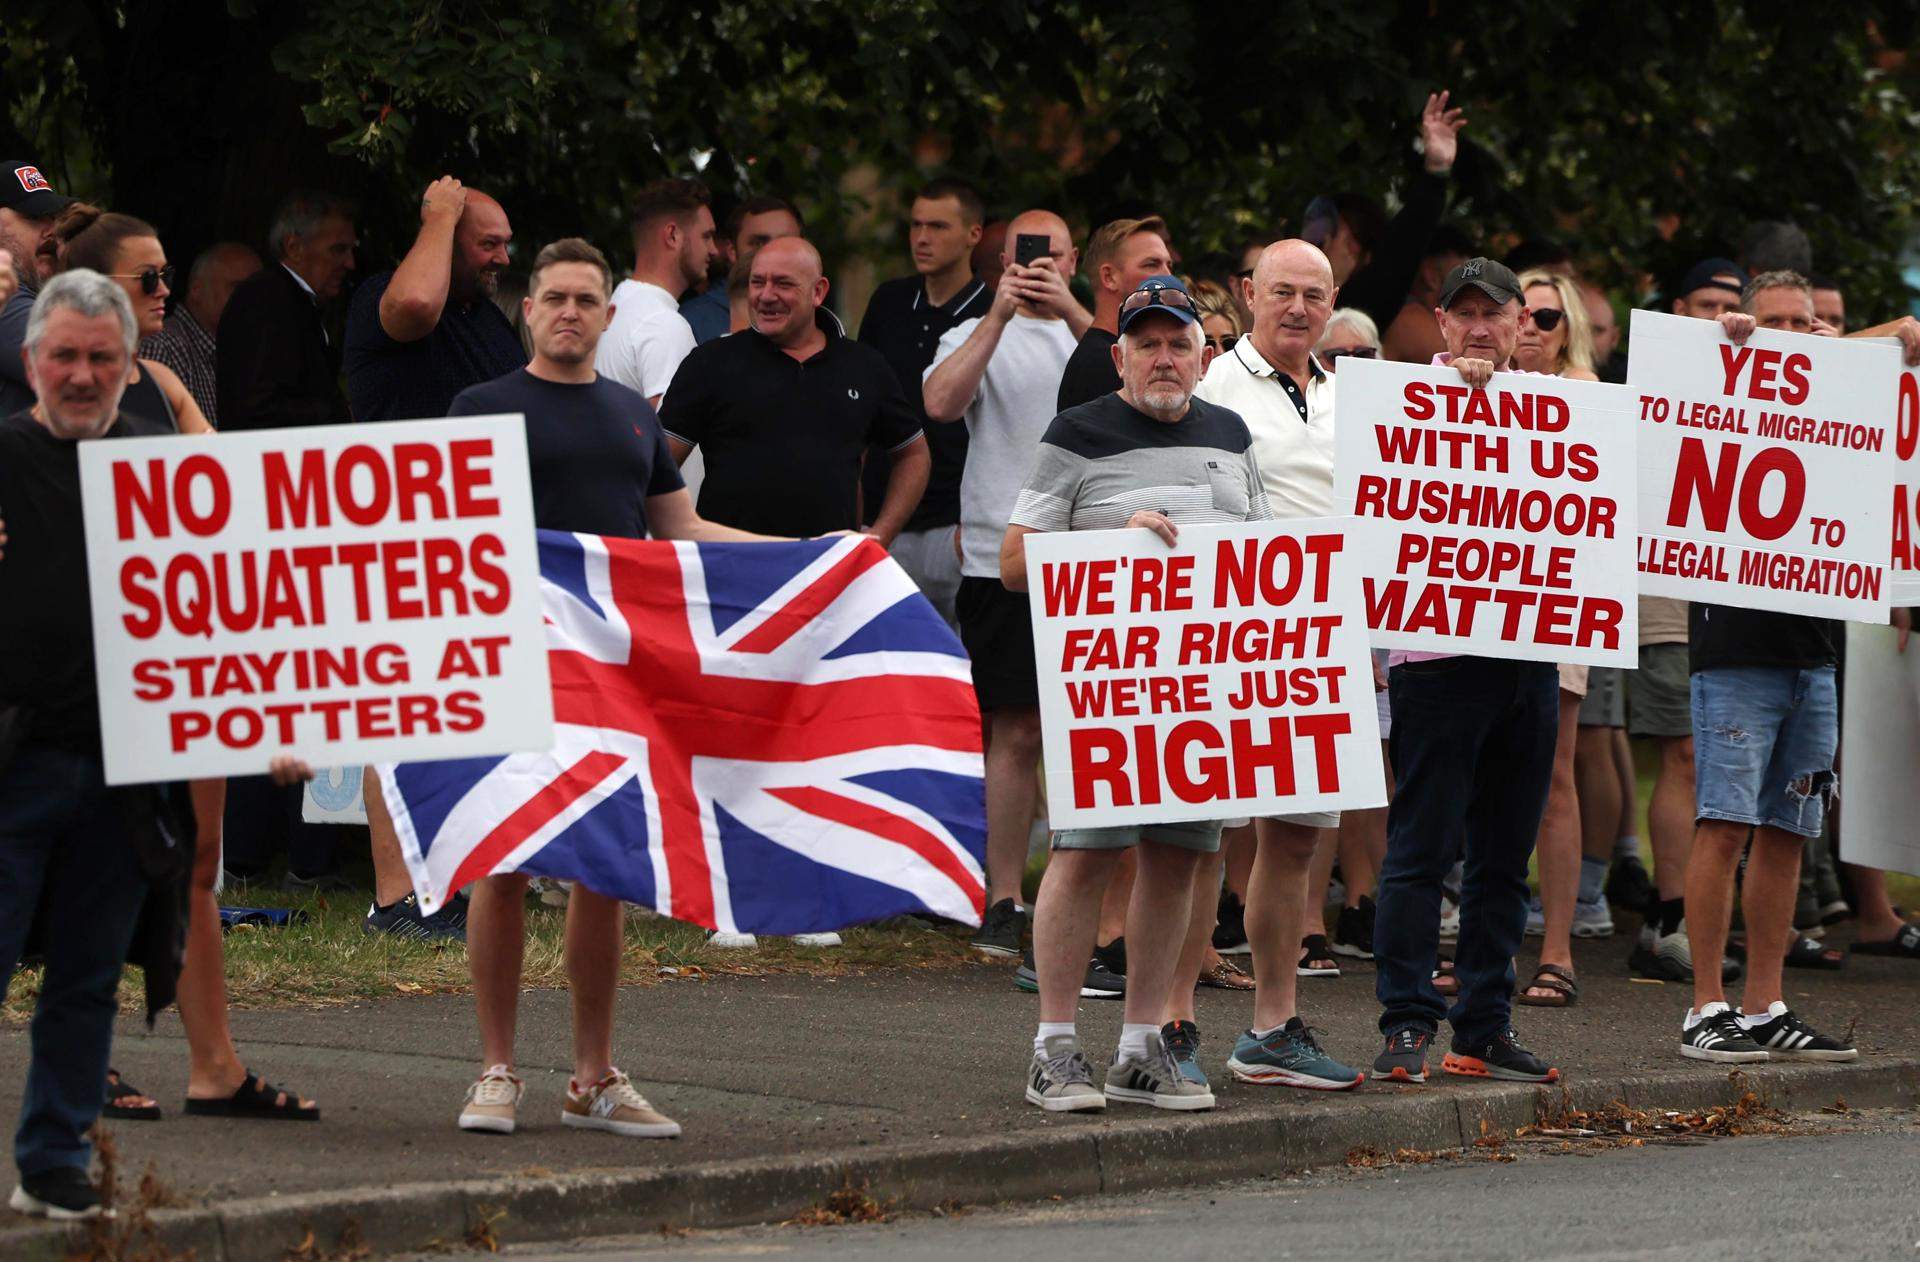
[{"x": 1637, "y": 139}]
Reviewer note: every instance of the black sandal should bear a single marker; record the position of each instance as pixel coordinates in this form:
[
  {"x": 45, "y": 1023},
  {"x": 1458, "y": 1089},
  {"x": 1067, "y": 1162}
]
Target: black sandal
[
  {"x": 1903, "y": 945},
  {"x": 1317, "y": 958},
  {"x": 256, "y": 1098},
  {"x": 1444, "y": 981},
  {"x": 1551, "y": 977},
  {"x": 1806, "y": 953},
  {"x": 120, "y": 1090}
]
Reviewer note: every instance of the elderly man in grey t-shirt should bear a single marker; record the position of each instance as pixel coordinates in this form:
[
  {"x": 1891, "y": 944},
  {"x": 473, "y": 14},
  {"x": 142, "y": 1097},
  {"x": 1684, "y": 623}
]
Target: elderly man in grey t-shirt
[{"x": 1105, "y": 465}]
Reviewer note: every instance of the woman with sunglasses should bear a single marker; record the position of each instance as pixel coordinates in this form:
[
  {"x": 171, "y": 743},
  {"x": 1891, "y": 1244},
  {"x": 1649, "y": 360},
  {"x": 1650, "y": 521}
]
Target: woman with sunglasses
[
  {"x": 1351, "y": 334},
  {"x": 1219, "y": 315},
  {"x": 128, "y": 251},
  {"x": 1557, "y": 340}
]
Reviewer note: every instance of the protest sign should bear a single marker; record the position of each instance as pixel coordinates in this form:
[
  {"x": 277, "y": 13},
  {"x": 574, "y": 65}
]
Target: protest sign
[
  {"x": 1496, "y": 522},
  {"x": 1226, "y": 676},
  {"x": 347, "y": 594},
  {"x": 1903, "y": 574},
  {"x": 1880, "y": 744},
  {"x": 333, "y": 796},
  {"x": 1766, "y": 469}
]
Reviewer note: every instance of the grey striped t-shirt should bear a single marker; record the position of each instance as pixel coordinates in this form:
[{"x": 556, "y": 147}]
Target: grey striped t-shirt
[{"x": 1104, "y": 461}]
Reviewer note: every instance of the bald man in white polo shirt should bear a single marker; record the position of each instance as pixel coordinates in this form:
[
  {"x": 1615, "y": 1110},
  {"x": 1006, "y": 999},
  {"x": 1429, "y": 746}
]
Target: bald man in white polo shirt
[{"x": 1272, "y": 380}]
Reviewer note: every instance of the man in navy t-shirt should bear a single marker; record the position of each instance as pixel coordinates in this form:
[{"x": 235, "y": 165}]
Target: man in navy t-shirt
[{"x": 600, "y": 465}]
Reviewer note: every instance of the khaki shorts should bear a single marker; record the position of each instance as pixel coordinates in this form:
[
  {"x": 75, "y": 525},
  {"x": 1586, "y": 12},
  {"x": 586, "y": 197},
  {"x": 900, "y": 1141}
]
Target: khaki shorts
[{"x": 1659, "y": 696}]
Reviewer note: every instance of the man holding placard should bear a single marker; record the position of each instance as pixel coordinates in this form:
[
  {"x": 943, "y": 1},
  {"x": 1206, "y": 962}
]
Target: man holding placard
[{"x": 1149, "y": 457}]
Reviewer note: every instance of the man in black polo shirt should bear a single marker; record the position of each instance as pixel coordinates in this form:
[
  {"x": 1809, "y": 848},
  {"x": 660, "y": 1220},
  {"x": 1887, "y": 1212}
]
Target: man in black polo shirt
[
  {"x": 785, "y": 410},
  {"x": 905, "y": 320}
]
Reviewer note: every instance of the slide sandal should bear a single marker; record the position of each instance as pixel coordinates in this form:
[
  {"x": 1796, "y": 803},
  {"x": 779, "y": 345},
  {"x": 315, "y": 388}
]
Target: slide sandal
[
  {"x": 119, "y": 1093},
  {"x": 1806, "y": 953},
  {"x": 256, "y": 1098},
  {"x": 1904, "y": 945},
  {"x": 1563, "y": 990}
]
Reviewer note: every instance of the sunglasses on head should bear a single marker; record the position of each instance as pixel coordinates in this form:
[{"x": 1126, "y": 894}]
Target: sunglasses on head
[
  {"x": 150, "y": 278},
  {"x": 1547, "y": 319},
  {"x": 1158, "y": 296}
]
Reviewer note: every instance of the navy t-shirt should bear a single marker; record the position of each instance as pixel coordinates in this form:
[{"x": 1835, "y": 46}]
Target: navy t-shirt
[
  {"x": 406, "y": 381},
  {"x": 595, "y": 451}
]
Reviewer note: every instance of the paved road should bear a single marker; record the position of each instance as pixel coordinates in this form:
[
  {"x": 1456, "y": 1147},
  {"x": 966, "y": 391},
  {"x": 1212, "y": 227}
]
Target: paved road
[{"x": 1854, "y": 1195}]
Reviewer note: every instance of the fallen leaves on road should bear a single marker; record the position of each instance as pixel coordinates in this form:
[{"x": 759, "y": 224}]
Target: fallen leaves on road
[
  {"x": 849, "y": 1204},
  {"x": 1618, "y": 1123}
]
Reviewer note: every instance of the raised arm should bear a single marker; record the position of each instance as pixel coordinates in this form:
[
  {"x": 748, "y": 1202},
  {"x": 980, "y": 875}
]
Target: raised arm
[{"x": 417, "y": 294}]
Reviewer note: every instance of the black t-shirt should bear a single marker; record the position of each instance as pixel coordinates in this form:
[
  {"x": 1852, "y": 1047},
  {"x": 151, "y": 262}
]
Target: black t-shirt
[
  {"x": 1090, "y": 372},
  {"x": 406, "y": 381},
  {"x": 46, "y": 625},
  {"x": 906, "y": 329},
  {"x": 1723, "y": 636},
  {"x": 595, "y": 451},
  {"x": 783, "y": 439}
]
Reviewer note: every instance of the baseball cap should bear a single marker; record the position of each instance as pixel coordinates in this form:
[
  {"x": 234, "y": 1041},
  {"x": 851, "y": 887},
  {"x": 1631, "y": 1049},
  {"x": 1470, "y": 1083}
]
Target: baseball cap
[
  {"x": 1165, "y": 294},
  {"x": 24, "y": 191},
  {"x": 1490, "y": 276},
  {"x": 1707, "y": 274}
]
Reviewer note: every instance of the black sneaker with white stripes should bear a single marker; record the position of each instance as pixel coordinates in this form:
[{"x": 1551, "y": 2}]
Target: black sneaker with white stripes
[
  {"x": 1785, "y": 1035},
  {"x": 1715, "y": 1033}
]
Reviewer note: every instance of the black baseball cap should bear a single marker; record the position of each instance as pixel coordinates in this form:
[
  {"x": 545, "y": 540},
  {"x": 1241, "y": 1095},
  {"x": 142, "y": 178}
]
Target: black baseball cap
[
  {"x": 24, "y": 191},
  {"x": 1166, "y": 294},
  {"x": 1711, "y": 274},
  {"x": 1490, "y": 276}
]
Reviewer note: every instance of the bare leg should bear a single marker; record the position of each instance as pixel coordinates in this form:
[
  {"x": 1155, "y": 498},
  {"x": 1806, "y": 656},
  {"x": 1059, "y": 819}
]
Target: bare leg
[
  {"x": 1878, "y": 920},
  {"x": 1162, "y": 892},
  {"x": 1202, "y": 910},
  {"x": 391, "y": 882},
  {"x": 1064, "y": 918},
  {"x": 594, "y": 943},
  {"x": 1629, "y": 774},
  {"x": 1714, "y": 857},
  {"x": 496, "y": 944},
  {"x": 1236, "y": 849},
  {"x": 1559, "y": 844},
  {"x": 1114, "y": 903},
  {"x": 1353, "y": 843},
  {"x": 1597, "y": 784},
  {"x": 1767, "y": 898},
  {"x": 1277, "y": 896},
  {"x": 1670, "y": 816},
  {"x": 1326, "y": 845},
  {"x": 1012, "y": 773}
]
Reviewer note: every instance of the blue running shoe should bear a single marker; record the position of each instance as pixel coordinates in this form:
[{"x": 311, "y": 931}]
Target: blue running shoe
[
  {"x": 1290, "y": 1057},
  {"x": 1183, "y": 1044}
]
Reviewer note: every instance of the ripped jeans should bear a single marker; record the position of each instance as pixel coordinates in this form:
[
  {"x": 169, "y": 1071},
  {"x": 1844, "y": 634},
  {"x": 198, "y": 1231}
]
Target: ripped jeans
[{"x": 1763, "y": 741}]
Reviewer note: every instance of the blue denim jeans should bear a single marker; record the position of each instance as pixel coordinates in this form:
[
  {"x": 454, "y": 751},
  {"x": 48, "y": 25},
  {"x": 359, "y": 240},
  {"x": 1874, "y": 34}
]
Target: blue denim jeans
[
  {"x": 1472, "y": 751},
  {"x": 64, "y": 853},
  {"x": 1763, "y": 743}
]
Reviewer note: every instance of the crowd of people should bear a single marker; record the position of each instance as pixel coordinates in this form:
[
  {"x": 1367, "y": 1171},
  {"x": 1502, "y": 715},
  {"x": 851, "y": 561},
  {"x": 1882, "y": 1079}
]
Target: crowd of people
[{"x": 713, "y": 392}]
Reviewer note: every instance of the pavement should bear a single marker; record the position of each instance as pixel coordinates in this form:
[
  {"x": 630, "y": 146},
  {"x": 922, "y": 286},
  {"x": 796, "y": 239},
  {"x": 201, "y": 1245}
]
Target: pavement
[
  {"x": 1850, "y": 1195},
  {"x": 908, "y": 1081}
]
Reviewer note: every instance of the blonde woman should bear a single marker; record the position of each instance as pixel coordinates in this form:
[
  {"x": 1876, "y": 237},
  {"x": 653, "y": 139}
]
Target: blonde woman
[
  {"x": 1556, "y": 338},
  {"x": 1219, "y": 316}
]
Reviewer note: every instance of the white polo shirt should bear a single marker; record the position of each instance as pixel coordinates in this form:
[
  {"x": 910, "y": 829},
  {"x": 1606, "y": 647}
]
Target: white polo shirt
[{"x": 1295, "y": 453}]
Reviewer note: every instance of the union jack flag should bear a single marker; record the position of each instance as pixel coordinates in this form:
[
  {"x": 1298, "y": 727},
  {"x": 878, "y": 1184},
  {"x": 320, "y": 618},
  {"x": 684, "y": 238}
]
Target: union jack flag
[{"x": 764, "y": 738}]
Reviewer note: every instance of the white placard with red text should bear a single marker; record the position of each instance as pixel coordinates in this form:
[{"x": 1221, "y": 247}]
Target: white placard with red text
[
  {"x": 1903, "y": 576},
  {"x": 1495, "y": 522},
  {"x": 1766, "y": 469},
  {"x": 346, "y": 593},
  {"x": 1226, "y": 676}
]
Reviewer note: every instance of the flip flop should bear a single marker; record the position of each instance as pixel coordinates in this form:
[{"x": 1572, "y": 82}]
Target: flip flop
[
  {"x": 1551, "y": 977},
  {"x": 1904, "y": 945},
  {"x": 256, "y": 1098},
  {"x": 1806, "y": 953},
  {"x": 118, "y": 1090}
]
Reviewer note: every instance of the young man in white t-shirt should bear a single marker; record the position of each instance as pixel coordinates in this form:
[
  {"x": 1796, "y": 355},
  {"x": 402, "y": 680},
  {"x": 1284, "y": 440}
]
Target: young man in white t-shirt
[
  {"x": 1000, "y": 374},
  {"x": 672, "y": 247}
]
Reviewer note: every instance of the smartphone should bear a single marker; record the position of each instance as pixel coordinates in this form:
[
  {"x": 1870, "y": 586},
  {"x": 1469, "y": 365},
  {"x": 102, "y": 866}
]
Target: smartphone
[{"x": 1030, "y": 246}]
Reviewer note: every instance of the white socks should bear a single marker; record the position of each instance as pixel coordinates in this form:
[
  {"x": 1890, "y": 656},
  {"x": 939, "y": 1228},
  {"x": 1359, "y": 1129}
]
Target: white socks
[
  {"x": 1711, "y": 1010},
  {"x": 1133, "y": 1040},
  {"x": 1047, "y": 1030},
  {"x": 1626, "y": 846}
]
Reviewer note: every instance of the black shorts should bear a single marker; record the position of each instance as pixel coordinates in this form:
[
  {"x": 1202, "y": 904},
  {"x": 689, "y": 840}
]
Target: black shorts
[{"x": 997, "y": 628}]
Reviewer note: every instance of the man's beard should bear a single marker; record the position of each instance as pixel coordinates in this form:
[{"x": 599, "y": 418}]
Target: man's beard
[{"x": 1163, "y": 397}]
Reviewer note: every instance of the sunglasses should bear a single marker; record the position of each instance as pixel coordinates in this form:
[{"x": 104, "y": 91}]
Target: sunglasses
[
  {"x": 1224, "y": 343},
  {"x": 1547, "y": 319},
  {"x": 1158, "y": 296},
  {"x": 150, "y": 278},
  {"x": 1357, "y": 352}
]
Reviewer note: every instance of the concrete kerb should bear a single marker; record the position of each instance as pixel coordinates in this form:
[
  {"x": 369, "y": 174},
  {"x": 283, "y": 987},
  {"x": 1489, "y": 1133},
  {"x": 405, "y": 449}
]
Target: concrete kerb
[{"x": 1075, "y": 1158}]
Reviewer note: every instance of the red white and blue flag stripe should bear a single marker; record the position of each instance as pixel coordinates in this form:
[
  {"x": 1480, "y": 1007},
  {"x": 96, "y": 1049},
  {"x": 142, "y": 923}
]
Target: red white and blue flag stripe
[{"x": 763, "y": 738}]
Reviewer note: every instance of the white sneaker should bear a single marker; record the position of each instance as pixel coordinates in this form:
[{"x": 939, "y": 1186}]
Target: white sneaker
[
  {"x": 816, "y": 939},
  {"x": 1592, "y": 920},
  {"x": 493, "y": 1102},
  {"x": 732, "y": 941},
  {"x": 1449, "y": 919},
  {"x": 613, "y": 1105}
]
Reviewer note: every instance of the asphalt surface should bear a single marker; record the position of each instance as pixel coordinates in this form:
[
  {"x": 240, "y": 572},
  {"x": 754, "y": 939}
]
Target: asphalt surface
[
  {"x": 791, "y": 1065},
  {"x": 1854, "y": 1195}
]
